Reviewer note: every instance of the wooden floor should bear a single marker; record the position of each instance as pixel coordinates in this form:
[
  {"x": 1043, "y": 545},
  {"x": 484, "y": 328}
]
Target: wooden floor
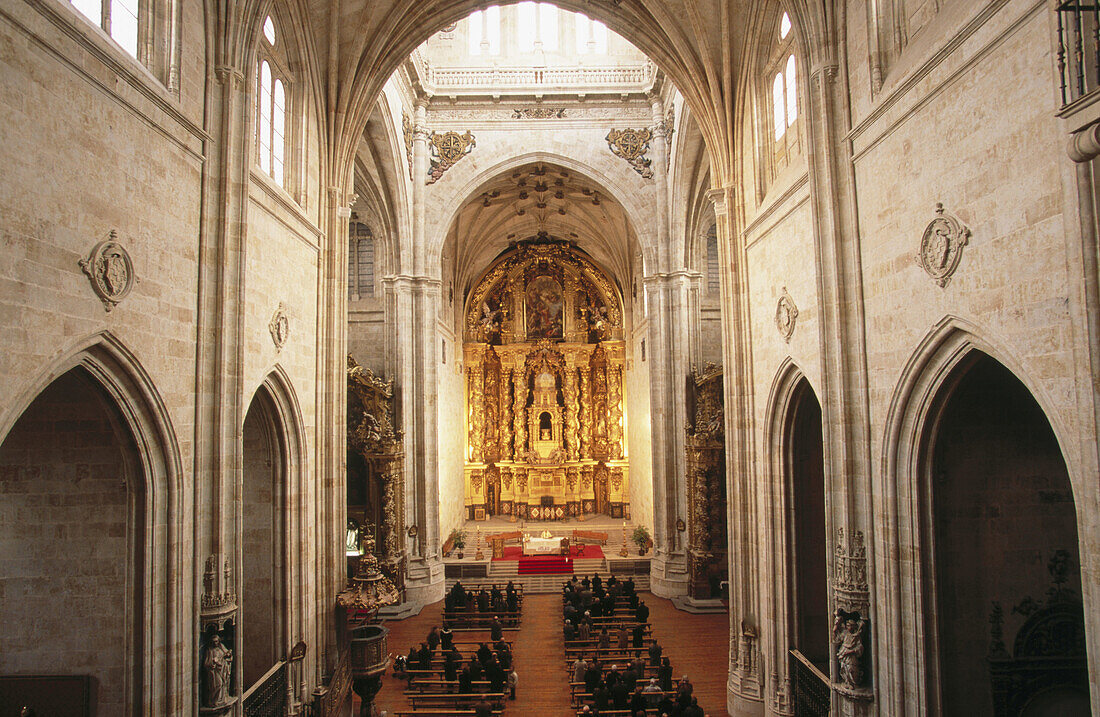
[{"x": 697, "y": 645}]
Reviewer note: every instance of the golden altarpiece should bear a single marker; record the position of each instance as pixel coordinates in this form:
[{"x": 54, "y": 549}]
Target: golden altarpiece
[
  {"x": 544, "y": 357},
  {"x": 706, "y": 484},
  {"x": 375, "y": 473}
]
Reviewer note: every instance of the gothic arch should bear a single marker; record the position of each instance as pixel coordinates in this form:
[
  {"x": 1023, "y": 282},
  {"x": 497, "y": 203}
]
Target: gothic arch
[
  {"x": 282, "y": 418},
  {"x": 162, "y": 655},
  {"x": 928, "y": 380},
  {"x": 790, "y": 389},
  {"x": 634, "y": 206}
]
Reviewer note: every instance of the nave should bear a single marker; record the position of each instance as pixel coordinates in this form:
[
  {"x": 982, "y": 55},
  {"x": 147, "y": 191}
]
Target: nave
[{"x": 695, "y": 644}]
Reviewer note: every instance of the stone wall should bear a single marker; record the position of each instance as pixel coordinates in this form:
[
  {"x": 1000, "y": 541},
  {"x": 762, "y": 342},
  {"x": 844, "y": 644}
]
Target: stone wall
[{"x": 72, "y": 517}]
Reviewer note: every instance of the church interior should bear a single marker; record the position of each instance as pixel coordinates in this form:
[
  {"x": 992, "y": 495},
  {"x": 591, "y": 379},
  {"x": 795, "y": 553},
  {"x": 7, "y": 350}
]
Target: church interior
[{"x": 723, "y": 357}]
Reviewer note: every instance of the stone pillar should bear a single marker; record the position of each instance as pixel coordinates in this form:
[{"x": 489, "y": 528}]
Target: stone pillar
[
  {"x": 418, "y": 304},
  {"x": 845, "y": 395},
  {"x": 745, "y": 685}
]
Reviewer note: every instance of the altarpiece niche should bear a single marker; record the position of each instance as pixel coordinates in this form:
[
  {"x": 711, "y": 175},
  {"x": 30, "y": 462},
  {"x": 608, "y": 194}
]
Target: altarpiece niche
[
  {"x": 544, "y": 359},
  {"x": 375, "y": 474}
]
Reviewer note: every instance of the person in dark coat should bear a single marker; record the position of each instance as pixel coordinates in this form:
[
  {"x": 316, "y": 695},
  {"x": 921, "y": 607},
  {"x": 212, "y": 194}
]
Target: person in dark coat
[
  {"x": 664, "y": 675},
  {"x": 496, "y": 675},
  {"x": 569, "y": 631},
  {"x": 666, "y": 706},
  {"x": 464, "y": 682},
  {"x": 425, "y": 655},
  {"x": 602, "y": 698},
  {"x": 433, "y": 638},
  {"x": 446, "y": 638},
  {"x": 483, "y": 601},
  {"x": 591, "y": 677},
  {"x": 638, "y": 701},
  {"x": 513, "y": 601},
  {"x": 605, "y": 640},
  {"x": 505, "y": 657},
  {"x": 620, "y": 695},
  {"x": 484, "y": 653},
  {"x": 624, "y": 637},
  {"x": 476, "y": 670},
  {"x": 496, "y": 630},
  {"x": 450, "y": 666},
  {"x": 655, "y": 654},
  {"x": 613, "y": 677},
  {"x": 641, "y": 614},
  {"x": 639, "y": 636},
  {"x": 482, "y": 708}
]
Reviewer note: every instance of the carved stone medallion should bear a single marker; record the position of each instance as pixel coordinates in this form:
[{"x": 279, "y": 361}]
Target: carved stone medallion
[
  {"x": 941, "y": 246},
  {"x": 279, "y": 327},
  {"x": 446, "y": 149},
  {"x": 110, "y": 271},
  {"x": 786, "y": 315},
  {"x": 632, "y": 145}
]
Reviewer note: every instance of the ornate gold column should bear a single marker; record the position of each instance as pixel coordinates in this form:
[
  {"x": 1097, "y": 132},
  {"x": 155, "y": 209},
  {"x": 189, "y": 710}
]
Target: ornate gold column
[
  {"x": 519, "y": 424},
  {"x": 615, "y": 408},
  {"x": 475, "y": 398},
  {"x": 507, "y": 376},
  {"x": 572, "y": 424},
  {"x": 585, "y": 416}
]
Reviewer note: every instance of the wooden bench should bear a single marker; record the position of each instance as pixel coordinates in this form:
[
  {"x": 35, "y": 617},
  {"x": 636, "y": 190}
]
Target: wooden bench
[
  {"x": 437, "y": 712},
  {"x": 451, "y": 698}
]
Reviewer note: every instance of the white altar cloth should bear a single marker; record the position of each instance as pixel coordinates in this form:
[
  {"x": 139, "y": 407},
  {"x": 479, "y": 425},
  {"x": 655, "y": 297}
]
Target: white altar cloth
[{"x": 537, "y": 546}]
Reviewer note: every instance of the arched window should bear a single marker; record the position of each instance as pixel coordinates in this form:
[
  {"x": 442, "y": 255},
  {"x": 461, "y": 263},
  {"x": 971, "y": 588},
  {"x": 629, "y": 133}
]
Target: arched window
[
  {"x": 591, "y": 35},
  {"x": 537, "y": 26},
  {"x": 781, "y": 71},
  {"x": 118, "y": 18},
  {"x": 360, "y": 261},
  {"x": 714, "y": 284},
  {"x": 483, "y": 31},
  {"x": 271, "y": 104}
]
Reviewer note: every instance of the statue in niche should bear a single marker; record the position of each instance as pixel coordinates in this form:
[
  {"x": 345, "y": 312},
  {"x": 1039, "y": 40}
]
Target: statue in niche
[
  {"x": 544, "y": 309},
  {"x": 217, "y": 665},
  {"x": 491, "y": 322},
  {"x": 595, "y": 314},
  {"x": 848, "y": 637},
  {"x": 352, "y": 543}
]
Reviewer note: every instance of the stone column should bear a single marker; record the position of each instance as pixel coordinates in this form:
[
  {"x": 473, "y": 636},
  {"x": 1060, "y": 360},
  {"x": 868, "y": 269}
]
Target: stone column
[
  {"x": 744, "y": 685},
  {"x": 418, "y": 296}
]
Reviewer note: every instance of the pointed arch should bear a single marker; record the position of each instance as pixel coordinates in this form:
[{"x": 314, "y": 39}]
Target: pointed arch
[
  {"x": 162, "y": 650},
  {"x": 929, "y": 378},
  {"x": 274, "y": 411}
]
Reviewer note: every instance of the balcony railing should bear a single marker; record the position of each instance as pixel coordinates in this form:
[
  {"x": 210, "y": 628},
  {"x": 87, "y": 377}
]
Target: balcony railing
[
  {"x": 810, "y": 691},
  {"x": 617, "y": 78},
  {"x": 267, "y": 698},
  {"x": 1078, "y": 48}
]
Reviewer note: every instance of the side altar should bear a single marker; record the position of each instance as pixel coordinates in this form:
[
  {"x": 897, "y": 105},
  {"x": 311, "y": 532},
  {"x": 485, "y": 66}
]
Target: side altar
[{"x": 544, "y": 358}]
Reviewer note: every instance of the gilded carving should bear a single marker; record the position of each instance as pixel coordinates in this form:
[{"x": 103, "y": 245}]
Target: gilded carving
[
  {"x": 538, "y": 113},
  {"x": 632, "y": 145},
  {"x": 407, "y": 132},
  {"x": 941, "y": 246},
  {"x": 445, "y": 151},
  {"x": 706, "y": 491},
  {"x": 110, "y": 271}
]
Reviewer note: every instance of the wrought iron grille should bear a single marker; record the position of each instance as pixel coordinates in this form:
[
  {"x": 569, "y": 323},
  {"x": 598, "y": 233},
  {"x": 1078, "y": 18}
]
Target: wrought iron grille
[
  {"x": 268, "y": 699},
  {"x": 809, "y": 687},
  {"x": 1078, "y": 48}
]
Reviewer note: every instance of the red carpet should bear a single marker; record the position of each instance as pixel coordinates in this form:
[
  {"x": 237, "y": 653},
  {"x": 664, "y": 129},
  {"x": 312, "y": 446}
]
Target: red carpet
[
  {"x": 545, "y": 565},
  {"x": 514, "y": 552}
]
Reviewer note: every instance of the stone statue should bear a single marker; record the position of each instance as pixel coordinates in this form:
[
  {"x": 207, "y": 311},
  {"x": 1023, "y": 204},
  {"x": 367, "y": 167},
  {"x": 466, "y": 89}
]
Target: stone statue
[
  {"x": 352, "y": 543},
  {"x": 490, "y": 323},
  {"x": 218, "y": 666},
  {"x": 848, "y": 637}
]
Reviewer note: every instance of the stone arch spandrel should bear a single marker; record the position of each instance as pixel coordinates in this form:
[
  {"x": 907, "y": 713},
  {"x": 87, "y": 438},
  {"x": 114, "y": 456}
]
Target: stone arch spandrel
[
  {"x": 167, "y": 651},
  {"x": 616, "y": 180},
  {"x": 901, "y": 660}
]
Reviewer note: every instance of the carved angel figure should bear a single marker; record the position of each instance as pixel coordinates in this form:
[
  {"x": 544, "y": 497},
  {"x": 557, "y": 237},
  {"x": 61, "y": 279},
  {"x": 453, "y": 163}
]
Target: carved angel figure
[
  {"x": 490, "y": 322},
  {"x": 848, "y": 638}
]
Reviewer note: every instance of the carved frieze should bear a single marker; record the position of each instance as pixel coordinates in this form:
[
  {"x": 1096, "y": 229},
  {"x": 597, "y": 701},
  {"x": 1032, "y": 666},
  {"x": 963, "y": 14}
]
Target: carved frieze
[
  {"x": 631, "y": 145},
  {"x": 446, "y": 149},
  {"x": 110, "y": 271},
  {"x": 941, "y": 246},
  {"x": 407, "y": 131},
  {"x": 279, "y": 327},
  {"x": 538, "y": 113},
  {"x": 786, "y": 315}
]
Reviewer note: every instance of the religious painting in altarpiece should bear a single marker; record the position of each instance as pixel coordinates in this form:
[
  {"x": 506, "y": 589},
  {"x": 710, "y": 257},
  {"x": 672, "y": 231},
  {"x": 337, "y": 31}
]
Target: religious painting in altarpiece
[{"x": 544, "y": 358}]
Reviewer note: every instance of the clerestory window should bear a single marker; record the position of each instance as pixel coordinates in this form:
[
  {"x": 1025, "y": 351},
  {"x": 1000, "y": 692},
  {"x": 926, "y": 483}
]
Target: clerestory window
[
  {"x": 782, "y": 73},
  {"x": 272, "y": 104},
  {"x": 537, "y": 26},
  {"x": 483, "y": 31},
  {"x": 591, "y": 35}
]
